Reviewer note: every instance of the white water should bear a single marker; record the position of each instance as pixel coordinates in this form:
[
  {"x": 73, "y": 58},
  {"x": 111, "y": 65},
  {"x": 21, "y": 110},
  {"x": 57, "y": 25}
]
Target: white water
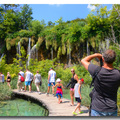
[
  {"x": 107, "y": 43},
  {"x": 28, "y": 52},
  {"x": 1, "y": 56},
  {"x": 18, "y": 49},
  {"x": 34, "y": 52}
]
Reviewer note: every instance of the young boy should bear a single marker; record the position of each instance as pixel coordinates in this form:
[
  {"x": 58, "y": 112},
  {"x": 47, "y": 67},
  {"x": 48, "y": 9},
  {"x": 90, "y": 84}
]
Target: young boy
[{"x": 77, "y": 95}]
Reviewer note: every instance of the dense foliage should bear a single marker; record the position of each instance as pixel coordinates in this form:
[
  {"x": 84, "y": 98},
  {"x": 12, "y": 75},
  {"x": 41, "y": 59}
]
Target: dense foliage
[{"x": 73, "y": 39}]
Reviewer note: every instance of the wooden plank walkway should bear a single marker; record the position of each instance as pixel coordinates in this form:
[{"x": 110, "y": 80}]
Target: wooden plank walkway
[{"x": 55, "y": 109}]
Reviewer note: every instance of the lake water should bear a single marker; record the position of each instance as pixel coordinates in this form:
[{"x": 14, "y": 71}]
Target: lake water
[{"x": 20, "y": 107}]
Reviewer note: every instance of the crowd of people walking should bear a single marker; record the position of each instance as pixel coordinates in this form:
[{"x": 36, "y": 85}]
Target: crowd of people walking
[{"x": 106, "y": 81}]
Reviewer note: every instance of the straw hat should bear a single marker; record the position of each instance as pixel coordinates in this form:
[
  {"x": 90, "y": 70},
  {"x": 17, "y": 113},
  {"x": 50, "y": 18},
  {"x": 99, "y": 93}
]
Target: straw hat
[{"x": 58, "y": 80}]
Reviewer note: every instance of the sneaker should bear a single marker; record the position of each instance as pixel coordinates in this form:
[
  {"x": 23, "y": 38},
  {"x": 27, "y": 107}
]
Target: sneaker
[
  {"x": 39, "y": 93},
  {"x": 74, "y": 113},
  {"x": 53, "y": 95},
  {"x": 47, "y": 94},
  {"x": 81, "y": 112}
]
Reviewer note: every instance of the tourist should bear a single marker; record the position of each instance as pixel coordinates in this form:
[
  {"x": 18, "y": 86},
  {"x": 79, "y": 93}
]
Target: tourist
[
  {"x": 19, "y": 83},
  {"x": 73, "y": 81},
  {"x": 51, "y": 80},
  {"x": 77, "y": 95},
  {"x": 27, "y": 80},
  {"x": 59, "y": 92},
  {"x": 1, "y": 78},
  {"x": 32, "y": 78},
  {"x": 106, "y": 83},
  {"x": 8, "y": 79},
  {"x": 37, "y": 81},
  {"x": 22, "y": 73}
]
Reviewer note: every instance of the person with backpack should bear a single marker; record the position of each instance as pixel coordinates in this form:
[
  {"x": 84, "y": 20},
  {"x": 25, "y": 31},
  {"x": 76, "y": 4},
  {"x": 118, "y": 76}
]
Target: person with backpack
[
  {"x": 106, "y": 84},
  {"x": 20, "y": 81},
  {"x": 22, "y": 74}
]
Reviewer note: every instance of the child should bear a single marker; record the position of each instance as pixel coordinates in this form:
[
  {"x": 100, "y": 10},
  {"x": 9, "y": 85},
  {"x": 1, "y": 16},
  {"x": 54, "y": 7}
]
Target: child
[
  {"x": 77, "y": 95},
  {"x": 19, "y": 83},
  {"x": 59, "y": 92}
]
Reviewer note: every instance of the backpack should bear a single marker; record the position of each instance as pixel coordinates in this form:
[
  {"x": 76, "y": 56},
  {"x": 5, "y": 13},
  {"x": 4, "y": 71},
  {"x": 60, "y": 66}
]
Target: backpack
[{"x": 22, "y": 79}]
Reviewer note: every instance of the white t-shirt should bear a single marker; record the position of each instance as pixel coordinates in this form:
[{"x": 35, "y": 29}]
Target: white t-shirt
[
  {"x": 28, "y": 76},
  {"x": 22, "y": 73},
  {"x": 52, "y": 74}
]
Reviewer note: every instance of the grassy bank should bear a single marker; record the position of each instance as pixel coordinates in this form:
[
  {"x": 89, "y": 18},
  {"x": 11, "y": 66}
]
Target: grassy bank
[{"x": 5, "y": 92}]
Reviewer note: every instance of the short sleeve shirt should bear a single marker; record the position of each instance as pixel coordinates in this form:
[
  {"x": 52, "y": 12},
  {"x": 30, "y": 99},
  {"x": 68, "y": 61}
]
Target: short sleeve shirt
[
  {"x": 52, "y": 75},
  {"x": 22, "y": 73},
  {"x": 37, "y": 78},
  {"x": 109, "y": 83}
]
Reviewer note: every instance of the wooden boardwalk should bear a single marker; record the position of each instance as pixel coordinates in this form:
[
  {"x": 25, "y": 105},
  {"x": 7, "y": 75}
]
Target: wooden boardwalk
[{"x": 50, "y": 102}]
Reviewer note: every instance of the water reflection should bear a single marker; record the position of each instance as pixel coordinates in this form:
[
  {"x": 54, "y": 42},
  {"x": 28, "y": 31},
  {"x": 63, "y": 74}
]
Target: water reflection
[{"x": 20, "y": 107}]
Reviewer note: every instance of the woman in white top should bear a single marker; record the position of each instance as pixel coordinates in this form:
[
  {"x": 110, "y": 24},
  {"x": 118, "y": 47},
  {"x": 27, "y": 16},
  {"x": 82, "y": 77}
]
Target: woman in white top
[{"x": 37, "y": 80}]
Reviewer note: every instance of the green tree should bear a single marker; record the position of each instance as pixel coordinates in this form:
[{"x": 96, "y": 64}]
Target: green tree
[{"x": 25, "y": 16}]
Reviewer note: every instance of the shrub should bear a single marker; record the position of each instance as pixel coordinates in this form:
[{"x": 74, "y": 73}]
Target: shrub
[{"x": 5, "y": 92}]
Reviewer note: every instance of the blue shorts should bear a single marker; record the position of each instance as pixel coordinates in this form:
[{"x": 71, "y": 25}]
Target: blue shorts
[
  {"x": 27, "y": 83},
  {"x": 97, "y": 113},
  {"x": 50, "y": 83},
  {"x": 78, "y": 100}
]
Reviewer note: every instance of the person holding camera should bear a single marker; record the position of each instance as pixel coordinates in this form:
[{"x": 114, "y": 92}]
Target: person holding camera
[{"x": 106, "y": 83}]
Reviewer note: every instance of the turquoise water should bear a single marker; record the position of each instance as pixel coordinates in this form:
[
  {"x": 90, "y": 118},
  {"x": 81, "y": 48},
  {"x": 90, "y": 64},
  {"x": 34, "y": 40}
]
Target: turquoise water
[{"x": 20, "y": 107}]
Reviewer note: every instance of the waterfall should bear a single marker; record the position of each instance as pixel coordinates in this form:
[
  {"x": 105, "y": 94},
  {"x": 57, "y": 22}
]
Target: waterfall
[
  {"x": 107, "y": 43},
  {"x": 34, "y": 52},
  {"x": 69, "y": 64},
  {"x": 1, "y": 57},
  {"x": 18, "y": 49},
  {"x": 51, "y": 53},
  {"x": 88, "y": 50},
  {"x": 28, "y": 52},
  {"x": 37, "y": 54}
]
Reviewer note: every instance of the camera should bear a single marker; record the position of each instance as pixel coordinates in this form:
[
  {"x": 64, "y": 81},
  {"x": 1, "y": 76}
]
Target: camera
[{"x": 101, "y": 62}]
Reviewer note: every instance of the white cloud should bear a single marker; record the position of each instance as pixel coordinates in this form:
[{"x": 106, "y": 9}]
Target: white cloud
[
  {"x": 91, "y": 7},
  {"x": 55, "y": 4}
]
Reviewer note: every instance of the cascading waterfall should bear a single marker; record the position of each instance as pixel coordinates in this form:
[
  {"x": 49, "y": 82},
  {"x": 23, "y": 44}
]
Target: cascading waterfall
[
  {"x": 107, "y": 43},
  {"x": 1, "y": 57},
  {"x": 18, "y": 50},
  {"x": 28, "y": 52},
  {"x": 34, "y": 52},
  {"x": 37, "y": 54},
  {"x": 88, "y": 50},
  {"x": 104, "y": 45}
]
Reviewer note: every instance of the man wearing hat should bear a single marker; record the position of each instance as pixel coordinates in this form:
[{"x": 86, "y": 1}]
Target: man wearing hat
[{"x": 51, "y": 80}]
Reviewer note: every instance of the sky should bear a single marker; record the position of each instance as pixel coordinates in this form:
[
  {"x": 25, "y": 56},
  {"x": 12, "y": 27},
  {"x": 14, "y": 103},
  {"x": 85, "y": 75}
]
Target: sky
[{"x": 68, "y": 12}]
